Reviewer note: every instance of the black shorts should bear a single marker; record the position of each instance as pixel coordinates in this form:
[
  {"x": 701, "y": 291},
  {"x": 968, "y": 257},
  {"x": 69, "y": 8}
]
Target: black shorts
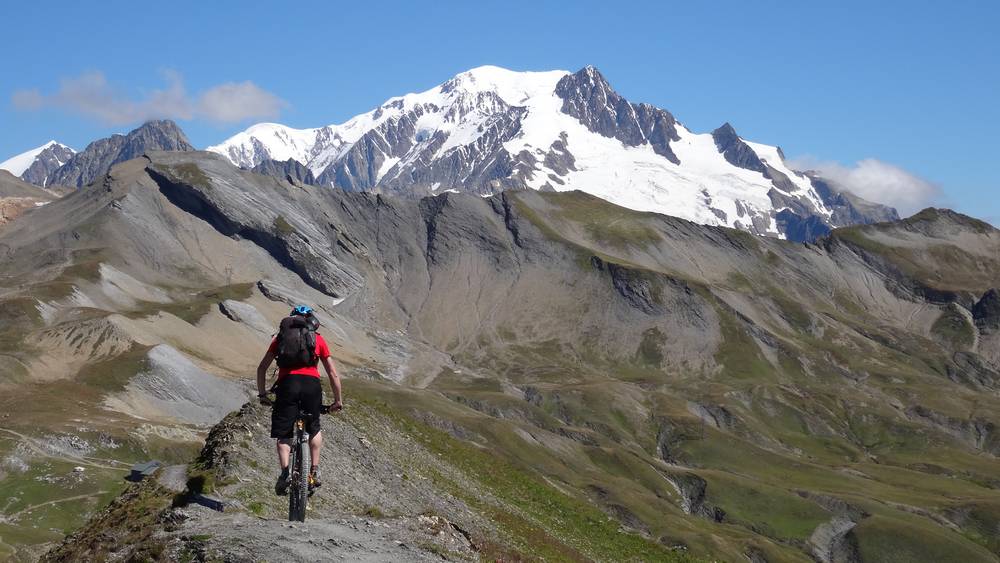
[{"x": 295, "y": 392}]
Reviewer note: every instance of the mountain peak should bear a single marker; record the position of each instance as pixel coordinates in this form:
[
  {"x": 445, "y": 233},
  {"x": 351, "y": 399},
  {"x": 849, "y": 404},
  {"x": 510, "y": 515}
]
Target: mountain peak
[
  {"x": 590, "y": 76},
  {"x": 490, "y": 129},
  {"x": 35, "y": 166},
  {"x": 939, "y": 217},
  {"x": 160, "y": 124},
  {"x": 725, "y": 130},
  {"x": 512, "y": 86},
  {"x": 592, "y": 72},
  {"x": 163, "y": 126},
  {"x": 94, "y": 161}
]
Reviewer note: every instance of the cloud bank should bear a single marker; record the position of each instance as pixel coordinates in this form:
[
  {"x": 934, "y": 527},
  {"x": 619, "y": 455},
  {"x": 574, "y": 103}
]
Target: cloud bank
[
  {"x": 91, "y": 95},
  {"x": 876, "y": 181}
]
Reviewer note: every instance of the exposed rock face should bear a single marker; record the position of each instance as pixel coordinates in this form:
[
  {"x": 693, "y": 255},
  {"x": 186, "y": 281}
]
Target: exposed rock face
[
  {"x": 17, "y": 196},
  {"x": 291, "y": 170},
  {"x": 280, "y": 293},
  {"x": 13, "y": 207},
  {"x": 970, "y": 369},
  {"x": 834, "y": 542},
  {"x": 737, "y": 152},
  {"x": 94, "y": 161},
  {"x": 46, "y": 163},
  {"x": 986, "y": 311},
  {"x": 246, "y": 314},
  {"x": 717, "y": 415},
  {"x": 639, "y": 289},
  {"x": 588, "y": 97},
  {"x": 797, "y": 227},
  {"x": 483, "y": 166},
  {"x": 173, "y": 387},
  {"x": 979, "y": 433},
  {"x": 692, "y": 489},
  {"x": 283, "y": 234},
  {"x": 849, "y": 209}
]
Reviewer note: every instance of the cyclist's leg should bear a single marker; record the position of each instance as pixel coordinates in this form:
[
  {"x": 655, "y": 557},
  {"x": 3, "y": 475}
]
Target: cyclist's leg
[
  {"x": 315, "y": 445},
  {"x": 283, "y": 415},
  {"x": 312, "y": 403},
  {"x": 284, "y": 450}
]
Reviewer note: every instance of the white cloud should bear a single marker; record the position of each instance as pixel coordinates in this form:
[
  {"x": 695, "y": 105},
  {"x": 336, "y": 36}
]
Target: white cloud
[
  {"x": 236, "y": 101},
  {"x": 876, "y": 181},
  {"x": 92, "y": 96}
]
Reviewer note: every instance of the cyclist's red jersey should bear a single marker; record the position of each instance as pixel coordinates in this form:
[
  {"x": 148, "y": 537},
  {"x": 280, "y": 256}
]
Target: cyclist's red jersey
[{"x": 322, "y": 351}]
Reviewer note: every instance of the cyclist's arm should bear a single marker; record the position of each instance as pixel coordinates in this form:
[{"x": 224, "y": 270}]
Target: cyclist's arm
[
  {"x": 262, "y": 372},
  {"x": 331, "y": 372}
]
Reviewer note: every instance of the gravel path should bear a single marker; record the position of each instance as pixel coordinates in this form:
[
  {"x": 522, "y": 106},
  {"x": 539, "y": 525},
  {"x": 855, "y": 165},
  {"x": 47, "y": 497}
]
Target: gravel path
[{"x": 241, "y": 537}]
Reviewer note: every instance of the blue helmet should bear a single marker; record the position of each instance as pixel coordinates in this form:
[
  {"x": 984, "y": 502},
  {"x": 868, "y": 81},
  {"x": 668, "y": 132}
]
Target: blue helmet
[{"x": 303, "y": 310}]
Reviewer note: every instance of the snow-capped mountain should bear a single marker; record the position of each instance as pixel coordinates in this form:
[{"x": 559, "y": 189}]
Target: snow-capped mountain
[
  {"x": 36, "y": 165},
  {"x": 491, "y": 129}
]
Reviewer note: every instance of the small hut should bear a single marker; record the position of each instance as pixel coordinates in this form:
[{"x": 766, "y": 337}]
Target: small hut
[{"x": 142, "y": 470}]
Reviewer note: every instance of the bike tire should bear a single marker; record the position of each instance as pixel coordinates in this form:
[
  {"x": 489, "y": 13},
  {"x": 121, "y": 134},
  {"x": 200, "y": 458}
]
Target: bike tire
[
  {"x": 293, "y": 499},
  {"x": 298, "y": 496}
]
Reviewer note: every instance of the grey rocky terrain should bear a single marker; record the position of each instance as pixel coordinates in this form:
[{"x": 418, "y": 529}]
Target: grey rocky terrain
[
  {"x": 46, "y": 163},
  {"x": 291, "y": 170},
  {"x": 17, "y": 196},
  {"x": 554, "y": 375},
  {"x": 98, "y": 157}
]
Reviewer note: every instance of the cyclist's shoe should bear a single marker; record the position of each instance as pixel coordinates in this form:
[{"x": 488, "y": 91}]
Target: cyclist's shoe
[
  {"x": 314, "y": 482},
  {"x": 281, "y": 485}
]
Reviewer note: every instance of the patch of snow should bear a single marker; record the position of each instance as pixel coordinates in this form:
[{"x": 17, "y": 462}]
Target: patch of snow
[
  {"x": 267, "y": 141},
  {"x": 387, "y": 165},
  {"x": 772, "y": 156}
]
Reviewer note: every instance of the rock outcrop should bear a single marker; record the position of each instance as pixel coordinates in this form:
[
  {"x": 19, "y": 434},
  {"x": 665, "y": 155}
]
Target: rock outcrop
[{"x": 96, "y": 160}]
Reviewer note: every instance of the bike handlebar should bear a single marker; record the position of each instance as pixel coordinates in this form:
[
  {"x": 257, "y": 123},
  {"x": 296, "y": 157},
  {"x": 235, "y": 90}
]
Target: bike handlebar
[{"x": 269, "y": 398}]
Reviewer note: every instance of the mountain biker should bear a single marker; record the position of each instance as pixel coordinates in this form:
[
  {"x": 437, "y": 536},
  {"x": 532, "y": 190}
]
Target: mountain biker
[{"x": 298, "y": 389}]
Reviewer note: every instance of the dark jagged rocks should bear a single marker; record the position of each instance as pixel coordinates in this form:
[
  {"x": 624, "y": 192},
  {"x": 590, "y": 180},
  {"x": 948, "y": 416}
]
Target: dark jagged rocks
[
  {"x": 986, "y": 311},
  {"x": 291, "y": 170},
  {"x": 46, "y": 163},
  {"x": 735, "y": 150},
  {"x": 94, "y": 161},
  {"x": 588, "y": 97}
]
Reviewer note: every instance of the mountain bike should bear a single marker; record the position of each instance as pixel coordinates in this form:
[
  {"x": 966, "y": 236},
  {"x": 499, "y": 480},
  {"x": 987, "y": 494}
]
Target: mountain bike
[{"x": 299, "y": 477}]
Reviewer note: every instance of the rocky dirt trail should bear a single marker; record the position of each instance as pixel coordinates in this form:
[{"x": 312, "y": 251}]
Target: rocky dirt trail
[
  {"x": 242, "y": 537},
  {"x": 374, "y": 505}
]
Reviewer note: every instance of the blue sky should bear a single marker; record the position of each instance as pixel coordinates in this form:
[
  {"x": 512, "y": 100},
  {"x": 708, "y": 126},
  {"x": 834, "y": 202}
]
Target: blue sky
[{"x": 914, "y": 85}]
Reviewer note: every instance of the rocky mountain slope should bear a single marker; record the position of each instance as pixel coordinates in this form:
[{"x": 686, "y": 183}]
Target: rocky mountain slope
[
  {"x": 400, "y": 491},
  {"x": 17, "y": 196},
  {"x": 491, "y": 129},
  {"x": 94, "y": 161},
  {"x": 35, "y": 166},
  {"x": 290, "y": 170},
  {"x": 553, "y": 362}
]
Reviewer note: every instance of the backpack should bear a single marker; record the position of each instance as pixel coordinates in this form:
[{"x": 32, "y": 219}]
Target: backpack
[{"x": 296, "y": 343}]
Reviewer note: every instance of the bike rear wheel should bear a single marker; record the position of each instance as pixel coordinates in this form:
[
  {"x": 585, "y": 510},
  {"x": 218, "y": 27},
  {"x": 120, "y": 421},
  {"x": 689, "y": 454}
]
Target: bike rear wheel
[{"x": 298, "y": 491}]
